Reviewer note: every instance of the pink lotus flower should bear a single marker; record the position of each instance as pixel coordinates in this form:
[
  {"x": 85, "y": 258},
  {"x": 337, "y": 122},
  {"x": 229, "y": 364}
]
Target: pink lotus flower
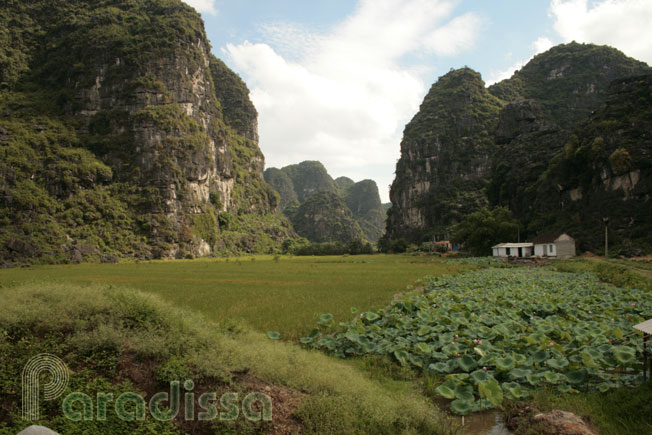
[{"x": 484, "y": 368}]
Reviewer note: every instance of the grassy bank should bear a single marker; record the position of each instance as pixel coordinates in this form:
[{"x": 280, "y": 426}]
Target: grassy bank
[{"x": 116, "y": 340}]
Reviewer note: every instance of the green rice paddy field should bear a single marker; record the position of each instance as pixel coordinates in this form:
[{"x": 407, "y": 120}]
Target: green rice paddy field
[{"x": 284, "y": 294}]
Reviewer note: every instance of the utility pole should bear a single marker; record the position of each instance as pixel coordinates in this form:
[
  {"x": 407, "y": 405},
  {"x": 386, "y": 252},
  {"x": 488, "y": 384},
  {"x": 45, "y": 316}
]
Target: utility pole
[{"x": 606, "y": 237}]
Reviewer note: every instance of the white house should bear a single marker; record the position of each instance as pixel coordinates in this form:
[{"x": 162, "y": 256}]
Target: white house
[
  {"x": 559, "y": 245},
  {"x": 504, "y": 250}
]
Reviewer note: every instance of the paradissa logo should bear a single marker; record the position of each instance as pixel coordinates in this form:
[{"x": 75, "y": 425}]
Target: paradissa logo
[{"x": 131, "y": 406}]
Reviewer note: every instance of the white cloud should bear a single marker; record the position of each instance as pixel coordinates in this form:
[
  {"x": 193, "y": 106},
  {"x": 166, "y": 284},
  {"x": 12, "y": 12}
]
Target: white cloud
[
  {"x": 207, "y": 6},
  {"x": 623, "y": 24},
  {"x": 542, "y": 44},
  {"x": 460, "y": 34},
  {"x": 342, "y": 97},
  {"x": 539, "y": 46}
]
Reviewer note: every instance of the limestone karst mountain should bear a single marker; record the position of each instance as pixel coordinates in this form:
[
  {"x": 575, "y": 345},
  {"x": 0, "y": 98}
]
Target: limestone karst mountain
[
  {"x": 326, "y": 210},
  {"x": 122, "y": 135},
  {"x": 470, "y": 146}
]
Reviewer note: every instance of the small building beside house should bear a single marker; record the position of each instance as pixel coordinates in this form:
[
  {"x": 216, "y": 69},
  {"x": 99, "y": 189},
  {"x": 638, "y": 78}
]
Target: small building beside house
[
  {"x": 559, "y": 245},
  {"x": 504, "y": 250}
]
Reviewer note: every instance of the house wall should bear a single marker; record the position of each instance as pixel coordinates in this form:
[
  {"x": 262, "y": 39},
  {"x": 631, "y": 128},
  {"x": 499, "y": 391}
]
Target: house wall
[
  {"x": 565, "y": 246},
  {"x": 500, "y": 252},
  {"x": 513, "y": 252},
  {"x": 545, "y": 250}
]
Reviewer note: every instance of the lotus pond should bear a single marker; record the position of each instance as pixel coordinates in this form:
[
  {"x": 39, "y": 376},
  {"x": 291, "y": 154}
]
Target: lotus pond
[{"x": 503, "y": 333}]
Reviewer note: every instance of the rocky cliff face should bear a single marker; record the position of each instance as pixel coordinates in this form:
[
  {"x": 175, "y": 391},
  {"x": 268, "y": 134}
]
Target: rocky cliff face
[
  {"x": 548, "y": 98},
  {"x": 363, "y": 199},
  {"x": 324, "y": 217},
  {"x": 160, "y": 137},
  {"x": 605, "y": 170},
  {"x": 351, "y": 210},
  {"x": 468, "y": 149},
  {"x": 445, "y": 157}
]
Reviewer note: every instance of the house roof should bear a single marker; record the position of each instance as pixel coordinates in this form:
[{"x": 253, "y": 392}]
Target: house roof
[
  {"x": 547, "y": 238},
  {"x": 645, "y": 327},
  {"x": 513, "y": 245}
]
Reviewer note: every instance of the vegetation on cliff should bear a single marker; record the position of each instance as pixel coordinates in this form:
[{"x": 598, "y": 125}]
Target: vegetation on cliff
[
  {"x": 324, "y": 217},
  {"x": 123, "y": 136},
  {"x": 349, "y": 211},
  {"x": 506, "y": 145},
  {"x": 445, "y": 157}
]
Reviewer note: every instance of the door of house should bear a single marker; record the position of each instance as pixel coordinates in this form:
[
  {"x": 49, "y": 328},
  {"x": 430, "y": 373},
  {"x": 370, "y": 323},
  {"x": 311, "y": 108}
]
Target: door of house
[{"x": 545, "y": 250}]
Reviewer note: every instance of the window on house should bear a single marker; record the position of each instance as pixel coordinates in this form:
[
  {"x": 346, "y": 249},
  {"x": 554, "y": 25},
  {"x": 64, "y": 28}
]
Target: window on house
[{"x": 552, "y": 248}]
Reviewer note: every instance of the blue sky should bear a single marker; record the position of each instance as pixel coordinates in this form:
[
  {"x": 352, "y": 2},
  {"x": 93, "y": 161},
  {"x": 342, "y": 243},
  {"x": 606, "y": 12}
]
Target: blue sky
[{"x": 337, "y": 81}]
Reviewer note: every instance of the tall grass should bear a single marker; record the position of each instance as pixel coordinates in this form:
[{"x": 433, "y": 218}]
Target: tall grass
[{"x": 105, "y": 333}]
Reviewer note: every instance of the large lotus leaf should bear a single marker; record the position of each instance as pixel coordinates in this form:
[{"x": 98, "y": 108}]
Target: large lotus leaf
[
  {"x": 502, "y": 330},
  {"x": 451, "y": 349},
  {"x": 462, "y": 407},
  {"x": 518, "y": 374},
  {"x": 490, "y": 390},
  {"x": 624, "y": 355},
  {"x": 594, "y": 353},
  {"x": 439, "y": 367},
  {"x": 445, "y": 391},
  {"x": 504, "y": 364},
  {"x": 564, "y": 388},
  {"x": 604, "y": 387},
  {"x": 325, "y": 318},
  {"x": 424, "y": 348},
  {"x": 540, "y": 356},
  {"x": 423, "y": 330},
  {"x": 488, "y": 359},
  {"x": 513, "y": 390},
  {"x": 439, "y": 356},
  {"x": 557, "y": 363},
  {"x": 479, "y": 376},
  {"x": 588, "y": 361},
  {"x": 464, "y": 392},
  {"x": 466, "y": 363},
  {"x": 545, "y": 329},
  {"x": 452, "y": 364},
  {"x": 618, "y": 333},
  {"x": 576, "y": 358},
  {"x": 371, "y": 316},
  {"x": 458, "y": 378},
  {"x": 551, "y": 377},
  {"x": 519, "y": 359},
  {"x": 352, "y": 336},
  {"x": 416, "y": 360},
  {"x": 576, "y": 376},
  {"x": 402, "y": 357}
]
